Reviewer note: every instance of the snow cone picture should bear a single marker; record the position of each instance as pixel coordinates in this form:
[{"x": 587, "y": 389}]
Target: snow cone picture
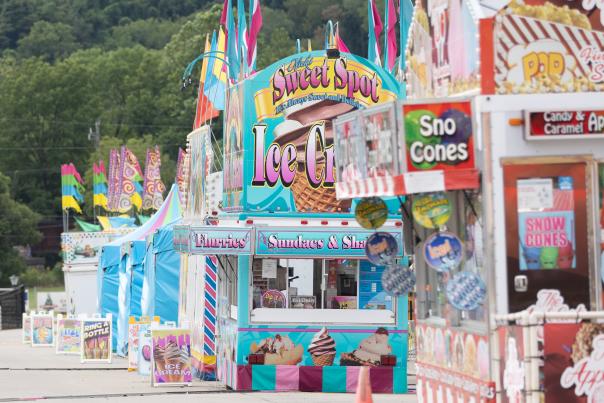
[
  {"x": 322, "y": 349},
  {"x": 439, "y": 136}
]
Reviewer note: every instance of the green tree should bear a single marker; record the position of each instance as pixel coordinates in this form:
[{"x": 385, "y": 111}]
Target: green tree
[
  {"x": 17, "y": 227},
  {"x": 50, "y": 41}
]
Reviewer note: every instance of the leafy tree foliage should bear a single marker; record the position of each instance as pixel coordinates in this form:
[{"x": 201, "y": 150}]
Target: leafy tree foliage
[
  {"x": 17, "y": 227},
  {"x": 66, "y": 63}
]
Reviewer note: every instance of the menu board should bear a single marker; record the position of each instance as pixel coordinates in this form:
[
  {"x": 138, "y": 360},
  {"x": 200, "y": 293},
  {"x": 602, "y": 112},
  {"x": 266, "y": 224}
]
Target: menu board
[{"x": 371, "y": 293}]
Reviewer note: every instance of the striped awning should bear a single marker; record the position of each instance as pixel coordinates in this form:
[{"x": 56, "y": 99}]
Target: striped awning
[{"x": 409, "y": 183}]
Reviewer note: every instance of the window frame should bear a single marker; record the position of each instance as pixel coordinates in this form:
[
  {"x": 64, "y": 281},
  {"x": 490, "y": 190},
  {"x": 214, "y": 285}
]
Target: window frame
[{"x": 318, "y": 316}]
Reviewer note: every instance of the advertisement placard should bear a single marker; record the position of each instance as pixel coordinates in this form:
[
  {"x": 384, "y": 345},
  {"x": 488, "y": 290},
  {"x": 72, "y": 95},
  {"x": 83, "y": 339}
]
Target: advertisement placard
[
  {"x": 282, "y": 241},
  {"x": 42, "y": 329},
  {"x": 574, "y": 362},
  {"x": 145, "y": 346},
  {"x": 171, "y": 356},
  {"x": 439, "y": 136},
  {"x": 68, "y": 335},
  {"x": 96, "y": 339},
  {"x": 549, "y": 46},
  {"x": 135, "y": 327},
  {"x": 546, "y": 223},
  {"x": 549, "y": 125},
  {"x": 26, "y": 326},
  {"x": 442, "y": 50}
]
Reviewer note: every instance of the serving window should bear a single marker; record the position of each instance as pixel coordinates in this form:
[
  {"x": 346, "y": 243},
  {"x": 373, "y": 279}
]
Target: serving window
[{"x": 318, "y": 290}]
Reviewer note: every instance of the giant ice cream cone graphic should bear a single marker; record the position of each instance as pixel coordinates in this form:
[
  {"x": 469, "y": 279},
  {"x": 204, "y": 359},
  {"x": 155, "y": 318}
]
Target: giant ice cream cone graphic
[
  {"x": 308, "y": 127},
  {"x": 322, "y": 349}
]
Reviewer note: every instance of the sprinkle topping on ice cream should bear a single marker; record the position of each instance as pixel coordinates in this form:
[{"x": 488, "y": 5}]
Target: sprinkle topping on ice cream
[{"x": 322, "y": 344}]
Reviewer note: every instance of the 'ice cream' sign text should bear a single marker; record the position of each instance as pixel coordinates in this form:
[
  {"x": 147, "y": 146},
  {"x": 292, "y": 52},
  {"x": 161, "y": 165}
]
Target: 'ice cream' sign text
[{"x": 281, "y": 162}]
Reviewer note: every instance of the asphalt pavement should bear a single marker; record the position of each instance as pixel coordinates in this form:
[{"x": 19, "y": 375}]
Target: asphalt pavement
[{"x": 29, "y": 374}]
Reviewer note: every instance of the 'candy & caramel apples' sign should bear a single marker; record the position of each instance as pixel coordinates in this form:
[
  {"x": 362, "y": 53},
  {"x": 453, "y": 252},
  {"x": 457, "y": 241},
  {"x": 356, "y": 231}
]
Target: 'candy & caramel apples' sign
[
  {"x": 439, "y": 136},
  {"x": 564, "y": 124}
]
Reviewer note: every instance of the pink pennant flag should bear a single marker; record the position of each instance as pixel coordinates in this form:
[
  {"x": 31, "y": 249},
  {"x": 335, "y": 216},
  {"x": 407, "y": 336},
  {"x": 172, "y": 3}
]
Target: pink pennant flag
[
  {"x": 252, "y": 40},
  {"x": 391, "y": 35},
  {"x": 75, "y": 173},
  {"x": 223, "y": 16},
  {"x": 340, "y": 43}
]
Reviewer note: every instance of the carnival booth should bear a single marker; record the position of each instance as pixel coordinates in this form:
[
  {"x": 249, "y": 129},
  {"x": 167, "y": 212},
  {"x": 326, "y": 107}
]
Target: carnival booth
[
  {"x": 81, "y": 254},
  {"x": 115, "y": 276},
  {"x": 500, "y": 162},
  {"x": 295, "y": 303}
]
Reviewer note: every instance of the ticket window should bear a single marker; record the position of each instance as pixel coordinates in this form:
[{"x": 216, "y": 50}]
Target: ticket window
[
  {"x": 546, "y": 217},
  {"x": 432, "y": 303}
]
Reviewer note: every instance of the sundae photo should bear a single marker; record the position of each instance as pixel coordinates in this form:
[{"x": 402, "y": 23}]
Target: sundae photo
[
  {"x": 278, "y": 350},
  {"x": 322, "y": 349},
  {"x": 370, "y": 350}
]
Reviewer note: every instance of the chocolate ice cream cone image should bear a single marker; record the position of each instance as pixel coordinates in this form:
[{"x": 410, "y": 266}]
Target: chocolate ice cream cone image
[{"x": 310, "y": 131}]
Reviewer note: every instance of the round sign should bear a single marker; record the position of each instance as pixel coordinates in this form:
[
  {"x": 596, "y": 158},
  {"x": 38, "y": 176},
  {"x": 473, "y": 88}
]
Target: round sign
[
  {"x": 443, "y": 251},
  {"x": 466, "y": 291},
  {"x": 431, "y": 210},
  {"x": 381, "y": 248},
  {"x": 371, "y": 212},
  {"x": 273, "y": 299},
  {"x": 398, "y": 280}
]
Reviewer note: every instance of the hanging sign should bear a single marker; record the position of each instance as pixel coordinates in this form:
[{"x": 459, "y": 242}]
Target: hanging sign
[
  {"x": 443, "y": 251},
  {"x": 431, "y": 210},
  {"x": 42, "y": 329},
  {"x": 371, "y": 212},
  {"x": 439, "y": 136},
  {"x": 398, "y": 280},
  {"x": 68, "y": 335},
  {"x": 96, "y": 340},
  {"x": 466, "y": 291},
  {"x": 171, "y": 356},
  {"x": 564, "y": 125},
  {"x": 381, "y": 248}
]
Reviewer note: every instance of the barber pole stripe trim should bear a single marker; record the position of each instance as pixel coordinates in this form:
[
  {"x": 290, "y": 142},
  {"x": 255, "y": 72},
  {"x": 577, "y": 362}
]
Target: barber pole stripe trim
[{"x": 209, "y": 313}]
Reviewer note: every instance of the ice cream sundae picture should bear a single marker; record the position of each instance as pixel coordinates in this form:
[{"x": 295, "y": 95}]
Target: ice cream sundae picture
[
  {"x": 171, "y": 359},
  {"x": 278, "y": 350},
  {"x": 370, "y": 350},
  {"x": 322, "y": 349}
]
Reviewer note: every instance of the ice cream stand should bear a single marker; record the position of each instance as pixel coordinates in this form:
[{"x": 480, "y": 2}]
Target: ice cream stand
[
  {"x": 290, "y": 300},
  {"x": 500, "y": 143}
]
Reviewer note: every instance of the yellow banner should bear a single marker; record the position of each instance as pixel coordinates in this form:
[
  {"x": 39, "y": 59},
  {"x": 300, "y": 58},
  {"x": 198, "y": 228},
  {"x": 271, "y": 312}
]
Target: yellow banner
[
  {"x": 69, "y": 202},
  {"x": 318, "y": 78}
]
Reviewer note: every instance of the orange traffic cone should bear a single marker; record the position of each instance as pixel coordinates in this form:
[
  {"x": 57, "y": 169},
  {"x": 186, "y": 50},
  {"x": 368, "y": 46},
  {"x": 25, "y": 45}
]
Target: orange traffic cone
[{"x": 363, "y": 387}]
